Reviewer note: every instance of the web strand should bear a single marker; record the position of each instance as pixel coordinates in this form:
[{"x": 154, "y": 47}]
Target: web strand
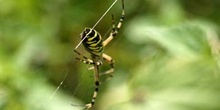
[
  {"x": 97, "y": 22},
  {"x": 61, "y": 83}
]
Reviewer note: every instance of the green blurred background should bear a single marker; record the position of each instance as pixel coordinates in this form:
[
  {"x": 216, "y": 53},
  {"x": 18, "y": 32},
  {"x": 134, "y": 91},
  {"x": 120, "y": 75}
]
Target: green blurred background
[{"x": 167, "y": 55}]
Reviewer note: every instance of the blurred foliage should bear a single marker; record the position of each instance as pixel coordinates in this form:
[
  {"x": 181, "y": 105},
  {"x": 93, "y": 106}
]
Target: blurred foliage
[{"x": 166, "y": 55}]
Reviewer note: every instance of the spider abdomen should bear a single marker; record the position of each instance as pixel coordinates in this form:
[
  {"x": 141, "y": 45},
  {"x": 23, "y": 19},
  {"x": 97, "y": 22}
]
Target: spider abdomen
[{"x": 93, "y": 41}]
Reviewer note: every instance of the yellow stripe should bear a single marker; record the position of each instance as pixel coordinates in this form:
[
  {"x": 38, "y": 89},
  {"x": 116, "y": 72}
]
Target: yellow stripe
[
  {"x": 100, "y": 39},
  {"x": 93, "y": 36},
  {"x": 93, "y": 48},
  {"x": 88, "y": 42},
  {"x": 96, "y": 43},
  {"x": 93, "y": 45}
]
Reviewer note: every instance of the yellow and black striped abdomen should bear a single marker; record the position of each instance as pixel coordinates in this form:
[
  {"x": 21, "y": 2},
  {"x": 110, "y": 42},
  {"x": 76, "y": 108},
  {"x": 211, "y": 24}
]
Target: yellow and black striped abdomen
[{"x": 93, "y": 41}]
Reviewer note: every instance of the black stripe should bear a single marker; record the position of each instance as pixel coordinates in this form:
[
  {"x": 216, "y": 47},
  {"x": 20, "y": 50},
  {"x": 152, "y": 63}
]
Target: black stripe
[
  {"x": 92, "y": 103},
  {"x": 97, "y": 83},
  {"x": 92, "y": 33},
  {"x": 122, "y": 17},
  {"x": 96, "y": 89}
]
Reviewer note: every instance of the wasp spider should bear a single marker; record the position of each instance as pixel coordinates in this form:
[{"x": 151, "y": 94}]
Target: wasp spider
[{"x": 94, "y": 44}]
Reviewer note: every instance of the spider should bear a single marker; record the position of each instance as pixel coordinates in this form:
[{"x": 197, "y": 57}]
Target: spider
[{"x": 94, "y": 44}]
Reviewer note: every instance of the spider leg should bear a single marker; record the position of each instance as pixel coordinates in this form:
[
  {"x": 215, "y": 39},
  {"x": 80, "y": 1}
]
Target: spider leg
[
  {"x": 96, "y": 65},
  {"x": 115, "y": 29},
  {"x": 96, "y": 77},
  {"x": 87, "y": 60},
  {"x": 96, "y": 80},
  {"x": 110, "y": 71},
  {"x": 111, "y": 63}
]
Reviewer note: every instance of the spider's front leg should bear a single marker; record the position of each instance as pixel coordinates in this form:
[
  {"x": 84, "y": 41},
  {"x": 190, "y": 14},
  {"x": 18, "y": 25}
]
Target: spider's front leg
[
  {"x": 87, "y": 60},
  {"x": 115, "y": 28}
]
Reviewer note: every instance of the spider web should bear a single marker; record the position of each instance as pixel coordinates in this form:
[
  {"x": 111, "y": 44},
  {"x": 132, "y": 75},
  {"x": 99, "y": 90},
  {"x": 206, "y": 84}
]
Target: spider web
[{"x": 73, "y": 62}]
